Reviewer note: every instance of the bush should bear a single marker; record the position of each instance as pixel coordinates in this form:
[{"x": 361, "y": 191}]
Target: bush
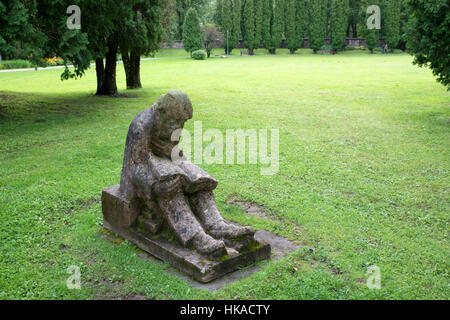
[
  {"x": 199, "y": 55},
  {"x": 50, "y": 62},
  {"x": 15, "y": 64}
]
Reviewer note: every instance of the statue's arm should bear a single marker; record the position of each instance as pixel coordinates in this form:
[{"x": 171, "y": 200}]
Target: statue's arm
[{"x": 142, "y": 178}]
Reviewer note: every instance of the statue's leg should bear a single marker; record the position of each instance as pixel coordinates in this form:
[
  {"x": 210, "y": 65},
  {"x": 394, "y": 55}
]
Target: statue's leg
[
  {"x": 186, "y": 227},
  {"x": 205, "y": 208}
]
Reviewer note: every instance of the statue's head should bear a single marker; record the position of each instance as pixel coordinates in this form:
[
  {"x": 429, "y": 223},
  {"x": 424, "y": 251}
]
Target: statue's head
[{"x": 173, "y": 110}]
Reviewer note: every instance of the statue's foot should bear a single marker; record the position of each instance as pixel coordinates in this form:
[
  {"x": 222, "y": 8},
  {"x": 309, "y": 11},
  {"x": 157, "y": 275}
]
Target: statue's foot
[
  {"x": 223, "y": 230},
  {"x": 207, "y": 245}
]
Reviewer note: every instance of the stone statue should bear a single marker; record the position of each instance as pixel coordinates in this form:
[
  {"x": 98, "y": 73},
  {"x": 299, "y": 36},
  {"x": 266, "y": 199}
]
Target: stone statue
[
  {"x": 182, "y": 191},
  {"x": 162, "y": 197}
]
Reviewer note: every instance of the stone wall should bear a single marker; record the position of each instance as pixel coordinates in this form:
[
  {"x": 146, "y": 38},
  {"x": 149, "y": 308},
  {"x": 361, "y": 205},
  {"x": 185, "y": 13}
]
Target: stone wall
[{"x": 351, "y": 42}]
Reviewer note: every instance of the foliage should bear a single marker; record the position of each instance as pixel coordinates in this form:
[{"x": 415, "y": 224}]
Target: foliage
[
  {"x": 258, "y": 8},
  {"x": 211, "y": 37},
  {"x": 236, "y": 32},
  {"x": 372, "y": 35},
  {"x": 181, "y": 9},
  {"x": 249, "y": 25},
  {"x": 267, "y": 24},
  {"x": 15, "y": 64},
  {"x": 199, "y": 55},
  {"x": 317, "y": 24},
  {"x": 338, "y": 23},
  {"x": 14, "y": 25},
  {"x": 294, "y": 24},
  {"x": 428, "y": 36},
  {"x": 391, "y": 19},
  {"x": 277, "y": 27},
  {"x": 192, "y": 34}
]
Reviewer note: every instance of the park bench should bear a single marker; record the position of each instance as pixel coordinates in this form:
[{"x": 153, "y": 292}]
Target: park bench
[{"x": 244, "y": 52}]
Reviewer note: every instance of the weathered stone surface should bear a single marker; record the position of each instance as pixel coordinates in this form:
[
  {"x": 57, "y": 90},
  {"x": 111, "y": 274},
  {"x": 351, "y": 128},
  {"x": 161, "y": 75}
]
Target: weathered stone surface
[
  {"x": 117, "y": 209},
  {"x": 162, "y": 193}
]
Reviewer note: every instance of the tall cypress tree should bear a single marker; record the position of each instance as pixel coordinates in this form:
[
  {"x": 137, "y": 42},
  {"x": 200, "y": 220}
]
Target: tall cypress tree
[
  {"x": 227, "y": 22},
  {"x": 392, "y": 10},
  {"x": 372, "y": 35},
  {"x": 258, "y": 6},
  {"x": 236, "y": 28},
  {"x": 249, "y": 25},
  {"x": 292, "y": 40},
  {"x": 301, "y": 20},
  {"x": 218, "y": 14},
  {"x": 267, "y": 8},
  {"x": 317, "y": 24},
  {"x": 192, "y": 34},
  {"x": 277, "y": 25},
  {"x": 338, "y": 23}
]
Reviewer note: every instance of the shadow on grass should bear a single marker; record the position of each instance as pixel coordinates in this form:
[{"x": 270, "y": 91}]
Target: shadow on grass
[{"x": 21, "y": 106}]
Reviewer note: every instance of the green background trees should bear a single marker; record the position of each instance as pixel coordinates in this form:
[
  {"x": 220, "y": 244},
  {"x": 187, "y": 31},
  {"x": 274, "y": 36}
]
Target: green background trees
[
  {"x": 428, "y": 36},
  {"x": 192, "y": 34},
  {"x": 338, "y": 23},
  {"x": 391, "y": 19},
  {"x": 317, "y": 14},
  {"x": 249, "y": 25}
]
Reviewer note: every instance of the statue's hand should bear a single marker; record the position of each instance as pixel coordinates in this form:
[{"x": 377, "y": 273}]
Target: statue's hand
[{"x": 168, "y": 188}]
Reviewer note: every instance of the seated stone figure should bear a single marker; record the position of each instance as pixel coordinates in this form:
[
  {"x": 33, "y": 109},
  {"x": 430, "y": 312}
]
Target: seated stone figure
[{"x": 182, "y": 190}]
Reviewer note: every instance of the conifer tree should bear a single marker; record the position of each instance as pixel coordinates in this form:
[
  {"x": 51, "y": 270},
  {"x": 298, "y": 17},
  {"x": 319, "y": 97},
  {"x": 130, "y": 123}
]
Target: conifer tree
[
  {"x": 192, "y": 34},
  {"x": 391, "y": 21},
  {"x": 317, "y": 24},
  {"x": 267, "y": 11},
  {"x": 293, "y": 29},
  {"x": 236, "y": 28},
  {"x": 258, "y": 6},
  {"x": 249, "y": 25},
  {"x": 277, "y": 25},
  {"x": 227, "y": 21},
  {"x": 338, "y": 23}
]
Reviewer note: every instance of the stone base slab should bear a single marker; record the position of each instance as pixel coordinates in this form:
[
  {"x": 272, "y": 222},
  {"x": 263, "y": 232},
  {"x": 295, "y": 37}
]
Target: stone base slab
[{"x": 119, "y": 216}]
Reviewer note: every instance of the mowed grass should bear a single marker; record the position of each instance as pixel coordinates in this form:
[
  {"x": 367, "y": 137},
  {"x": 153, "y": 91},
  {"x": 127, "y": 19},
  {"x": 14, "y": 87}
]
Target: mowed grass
[{"x": 363, "y": 176}]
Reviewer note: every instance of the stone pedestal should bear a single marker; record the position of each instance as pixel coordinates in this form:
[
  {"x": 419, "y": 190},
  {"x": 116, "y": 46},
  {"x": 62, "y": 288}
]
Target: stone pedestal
[{"x": 129, "y": 220}]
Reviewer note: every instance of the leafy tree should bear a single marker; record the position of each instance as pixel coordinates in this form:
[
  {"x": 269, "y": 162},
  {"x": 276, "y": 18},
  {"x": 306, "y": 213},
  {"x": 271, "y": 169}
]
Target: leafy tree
[
  {"x": 13, "y": 25},
  {"x": 169, "y": 20},
  {"x": 391, "y": 19},
  {"x": 227, "y": 22},
  {"x": 182, "y": 7},
  {"x": 353, "y": 18},
  {"x": 317, "y": 24},
  {"x": 258, "y": 7},
  {"x": 372, "y": 35},
  {"x": 428, "y": 36},
  {"x": 218, "y": 13},
  {"x": 141, "y": 34},
  {"x": 249, "y": 25},
  {"x": 267, "y": 8},
  {"x": 236, "y": 28},
  {"x": 192, "y": 34},
  {"x": 277, "y": 25},
  {"x": 293, "y": 26},
  {"x": 338, "y": 23},
  {"x": 211, "y": 38}
]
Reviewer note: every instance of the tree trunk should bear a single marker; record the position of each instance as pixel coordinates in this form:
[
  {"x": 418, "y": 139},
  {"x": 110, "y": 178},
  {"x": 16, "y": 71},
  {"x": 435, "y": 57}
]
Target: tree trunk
[
  {"x": 131, "y": 65},
  {"x": 108, "y": 86},
  {"x": 100, "y": 69}
]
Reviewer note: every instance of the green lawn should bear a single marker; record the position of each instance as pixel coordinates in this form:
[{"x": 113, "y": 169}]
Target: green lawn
[{"x": 363, "y": 179}]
